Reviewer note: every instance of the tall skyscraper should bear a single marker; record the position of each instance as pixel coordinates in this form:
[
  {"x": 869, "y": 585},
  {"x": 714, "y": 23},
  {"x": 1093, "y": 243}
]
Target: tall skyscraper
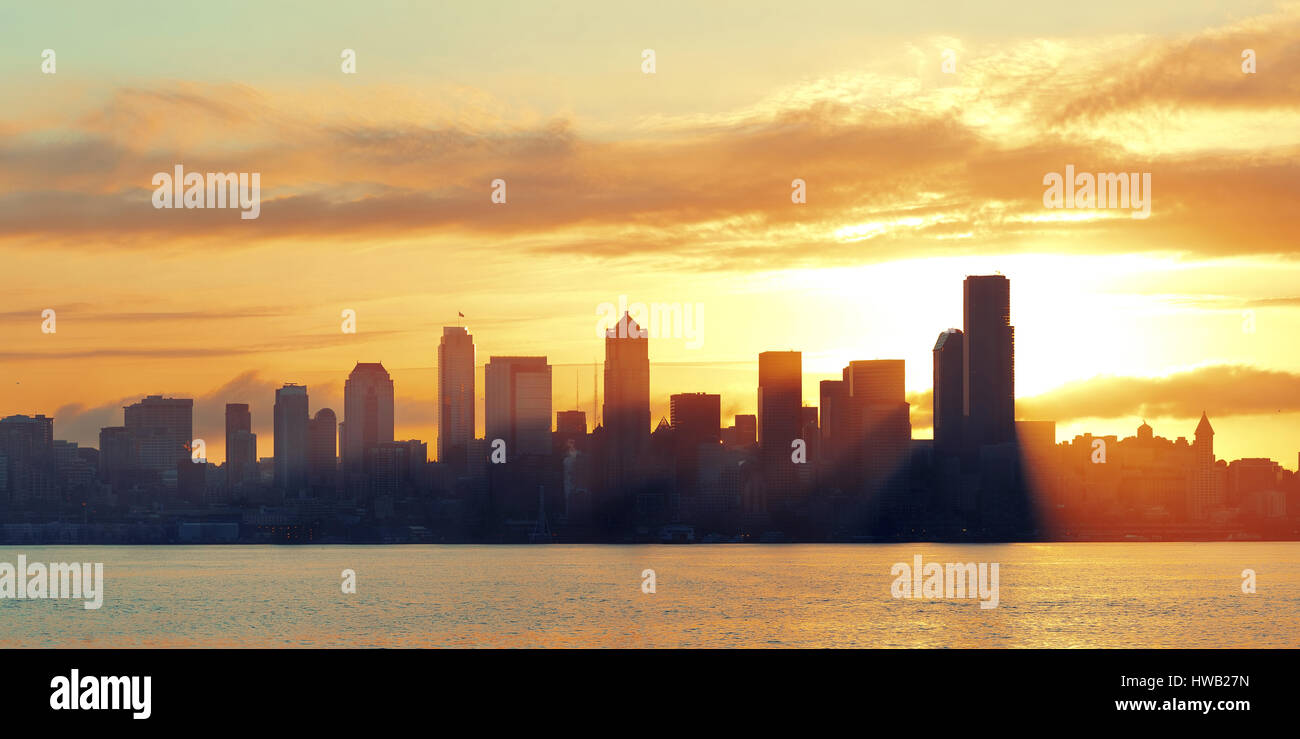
[
  {"x": 322, "y": 457},
  {"x": 626, "y": 410},
  {"x": 878, "y": 436},
  {"x": 1204, "y": 492},
  {"x": 696, "y": 419},
  {"x": 161, "y": 430},
  {"x": 27, "y": 469},
  {"x": 455, "y": 395},
  {"x": 780, "y": 400},
  {"x": 780, "y": 396},
  {"x": 518, "y": 404},
  {"x": 240, "y": 459},
  {"x": 949, "y": 406},
  {"x": 291, "y": 439},
  {"x": 116, "y": 456},
  {"x": 367, "y": 414},
  {"x": 988, "y": 350}
]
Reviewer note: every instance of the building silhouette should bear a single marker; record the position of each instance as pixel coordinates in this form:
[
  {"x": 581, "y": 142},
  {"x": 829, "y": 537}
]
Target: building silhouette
[
  {"x": 241, "y": 445},
  {"x": 517, "y": 404},
  {"x": 455, "y": 395},
  {"x": 161, "y": 430},
  {"x": 1205, "y": 492},
  {"x": 322, "y": 454},
  {"x": 626, "y": 409},
  {"x": 290, "y": 439},
  {"x": 988, "y": 351},
  {"x": 696, "y": 420},
  {"x": 780, "y": 398},
  {"x": 949, "y": 398},
  {"x": 27, "y": 466},
  {"x": 367, "y": 416}
]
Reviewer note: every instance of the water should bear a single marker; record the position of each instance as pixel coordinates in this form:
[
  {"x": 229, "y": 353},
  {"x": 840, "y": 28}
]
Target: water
[{"x": 1051, "y": 595}]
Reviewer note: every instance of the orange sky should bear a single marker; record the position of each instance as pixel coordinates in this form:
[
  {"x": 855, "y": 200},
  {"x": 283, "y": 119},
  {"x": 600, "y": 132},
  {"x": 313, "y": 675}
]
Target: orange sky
[{"x": 666, "y": 188}]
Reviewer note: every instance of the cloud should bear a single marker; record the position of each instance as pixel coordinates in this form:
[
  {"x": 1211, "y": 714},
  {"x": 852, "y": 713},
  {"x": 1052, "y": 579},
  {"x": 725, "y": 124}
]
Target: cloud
[
  {"x": 902, "y": 168},
  {"x": 1219, "y": 390}
]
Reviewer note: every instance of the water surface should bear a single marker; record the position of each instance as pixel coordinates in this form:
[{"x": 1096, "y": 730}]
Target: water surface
[{"x": 1051, "y": 595}]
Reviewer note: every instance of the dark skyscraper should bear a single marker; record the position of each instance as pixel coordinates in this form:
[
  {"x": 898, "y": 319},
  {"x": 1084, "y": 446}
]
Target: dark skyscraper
[
  {"x": 880, "y": 429},
  {"x": 455, "y": 395},
  {"x": 989, "y": 380},
  {"x": 26, "y": 459},
  {"x": 367, "y": 414},
  {"x": 240, "y": 459},
  {"x": 161, "y": 430},
  {"x": 696, "y": 419},
  {"x": 322, "y": 457},
  {"x": 291, "y": 438},
  {"x": 517, "y": 404},
  {"x": 780, "y": 398},
  {"x": 949, "y": 408},
  {"x": 626, "y": 410}
]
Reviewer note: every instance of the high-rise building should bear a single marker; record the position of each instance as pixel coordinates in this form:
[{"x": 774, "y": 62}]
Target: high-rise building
[
  {"x": 161, "y": 431},
  {"x": 518, "y": 404},
  {"x": 290, "y": 440},
  {"x": 696, "y": 419},
  {"x": 240, "y": 459},
  {"x": 780, "y": 398},
  {"x": 1203, "y": 490},
  {"x": 115, "y": 455},
  {"x": 988, "y": 350},
  {"x": 367, "y": 414},
  {"x": 879, "y": 427},
  {"x": 455, "y": 395},
  {"x": 322, "y": 457},
  {"x": 949, "y": 406},
  {"x": 27, "y": 461},
  {"x": 626, "y": 410}
]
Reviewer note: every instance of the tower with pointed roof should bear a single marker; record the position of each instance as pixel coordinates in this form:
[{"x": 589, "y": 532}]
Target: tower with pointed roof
[
  {"x": 626, "y": 410},
  {"x": 1203, "y": 490}
]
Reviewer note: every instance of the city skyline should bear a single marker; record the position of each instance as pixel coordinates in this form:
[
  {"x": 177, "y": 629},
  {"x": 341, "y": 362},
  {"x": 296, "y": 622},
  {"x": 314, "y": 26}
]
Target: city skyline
[
  {"x": 812, "y": 388},
  {"x": 847, "y": 469}
]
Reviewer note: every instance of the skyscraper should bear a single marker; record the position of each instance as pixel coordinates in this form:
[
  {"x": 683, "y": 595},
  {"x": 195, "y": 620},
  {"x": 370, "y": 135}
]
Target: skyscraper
[
  {"x": 626, "y": 410},
  {"x": 290, "y": 440},
  {"x": 455, "y": 395},
  {"x": 161, "y": 430},
  {"x": 322, "y": 456},
  {"x": 239, "y": 457},
  {"x": 949, "y": 406},
  {"x": 367, "y": 414},
  {"x": 880, "y": 429},
  {"x": 26, "y": 459},
  {"x": 988, "y": 351},
  {"x": 518, "y": 404},
  {"x": 780, "y": 398},
  {"x": 1203, "y": 490},
  {"x": 696, "y": 420}
]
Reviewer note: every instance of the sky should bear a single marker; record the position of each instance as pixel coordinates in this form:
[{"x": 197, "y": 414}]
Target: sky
[{"x": 671, "y": 188}]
